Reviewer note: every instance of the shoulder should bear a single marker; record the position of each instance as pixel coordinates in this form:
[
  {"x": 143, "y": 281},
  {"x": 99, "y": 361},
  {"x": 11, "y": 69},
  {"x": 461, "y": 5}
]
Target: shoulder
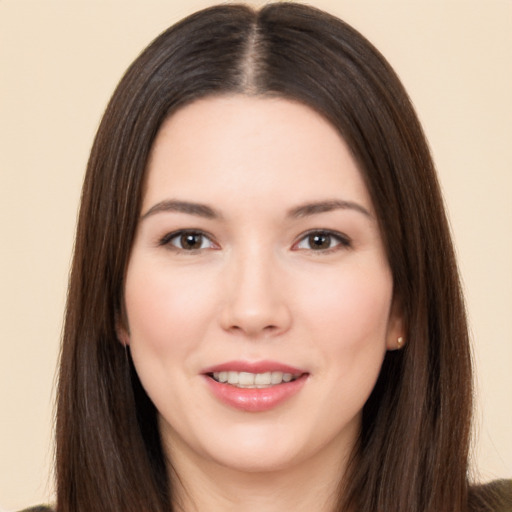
[{"x": 494, "y": 496}]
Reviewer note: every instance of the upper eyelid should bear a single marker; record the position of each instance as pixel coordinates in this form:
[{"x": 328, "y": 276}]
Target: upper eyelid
[
  {"x": 337, "y": 234},
  {"x": 343, "y": 243},
  {"x": 173, "y": 234},
  {"x": 343, "y": 238}
]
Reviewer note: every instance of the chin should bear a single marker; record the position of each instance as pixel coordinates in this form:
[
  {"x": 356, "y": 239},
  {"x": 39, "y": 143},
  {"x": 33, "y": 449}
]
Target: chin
[{"x": 267, "y": 460}]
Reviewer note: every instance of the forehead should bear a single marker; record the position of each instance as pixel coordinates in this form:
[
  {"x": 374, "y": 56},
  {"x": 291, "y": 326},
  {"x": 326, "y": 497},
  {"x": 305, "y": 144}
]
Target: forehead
[{"x": 251, "y": 147}]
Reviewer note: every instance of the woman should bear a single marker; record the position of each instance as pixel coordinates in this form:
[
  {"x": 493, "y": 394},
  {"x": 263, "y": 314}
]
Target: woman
[{"x": 261, "y": 209}]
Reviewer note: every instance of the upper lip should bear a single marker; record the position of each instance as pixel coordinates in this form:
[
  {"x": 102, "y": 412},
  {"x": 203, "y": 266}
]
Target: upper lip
[{"x": 253, "y": 367}]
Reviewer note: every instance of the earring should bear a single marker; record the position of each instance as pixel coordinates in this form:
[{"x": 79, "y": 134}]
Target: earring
[{"x": 400, "y": 342}]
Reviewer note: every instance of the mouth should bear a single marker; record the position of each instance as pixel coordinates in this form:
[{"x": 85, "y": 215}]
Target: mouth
[
  {"x": 249, "y": 380},
  {"x": 254, "y": 386}
]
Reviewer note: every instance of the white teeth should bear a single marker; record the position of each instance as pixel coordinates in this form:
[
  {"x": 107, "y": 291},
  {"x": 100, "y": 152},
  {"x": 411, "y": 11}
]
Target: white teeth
[
  {"x": 245, "y": 379},
  {"x": 263, "y": 379},
  {"x": 253, "y": 380},
  {"x": 277, "y": 377}
]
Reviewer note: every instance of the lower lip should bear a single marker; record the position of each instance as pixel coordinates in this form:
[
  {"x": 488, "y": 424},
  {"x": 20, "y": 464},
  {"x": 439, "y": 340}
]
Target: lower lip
[{"x": 255, "y": 399}]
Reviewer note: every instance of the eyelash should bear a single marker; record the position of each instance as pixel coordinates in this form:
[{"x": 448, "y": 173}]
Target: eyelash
[
  {"x": 341, "y": 241},
  {"x": 167, "y": 240}
]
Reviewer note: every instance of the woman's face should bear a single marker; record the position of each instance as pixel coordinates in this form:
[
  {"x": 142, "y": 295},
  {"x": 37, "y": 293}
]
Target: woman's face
[{"x": 258, "y": 294}]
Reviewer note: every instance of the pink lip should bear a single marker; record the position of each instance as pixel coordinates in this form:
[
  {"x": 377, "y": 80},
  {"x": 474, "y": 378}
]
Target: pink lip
[
  {"x": 253, "y": 399},
  {"x": 253, "y": 367}
]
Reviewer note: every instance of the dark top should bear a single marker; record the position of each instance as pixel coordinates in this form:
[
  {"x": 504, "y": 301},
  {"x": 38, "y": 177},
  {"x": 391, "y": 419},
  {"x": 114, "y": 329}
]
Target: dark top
[
  {"x": 492, "y": 497},
  {"x": 38, "y": 509}
]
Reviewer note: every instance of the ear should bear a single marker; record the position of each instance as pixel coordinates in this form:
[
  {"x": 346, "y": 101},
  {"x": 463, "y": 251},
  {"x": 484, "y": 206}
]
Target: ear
[
  {"x": 122, "y": 332},
  {"x": 395, "y": 337}
]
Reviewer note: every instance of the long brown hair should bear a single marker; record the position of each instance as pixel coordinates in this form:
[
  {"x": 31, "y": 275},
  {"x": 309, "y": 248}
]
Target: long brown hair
[{"x": 413, "y": 448}]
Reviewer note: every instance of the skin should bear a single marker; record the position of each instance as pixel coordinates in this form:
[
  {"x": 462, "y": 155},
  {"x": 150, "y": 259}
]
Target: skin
[{"x": 256, "y": 287}]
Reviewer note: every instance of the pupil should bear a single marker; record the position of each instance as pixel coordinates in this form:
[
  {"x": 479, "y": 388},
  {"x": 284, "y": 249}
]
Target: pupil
[
  {"x": 320, "y": 241},
  {"x": 191, "y": 241}
]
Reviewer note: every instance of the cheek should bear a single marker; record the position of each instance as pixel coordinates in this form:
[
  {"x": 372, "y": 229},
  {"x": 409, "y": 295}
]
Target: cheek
[
  {"x": 351, "y": 308},
  {"x": 348, "y": 315},
  {"x": 167, "y": 310},
  {"x": 168, "y": 315}
]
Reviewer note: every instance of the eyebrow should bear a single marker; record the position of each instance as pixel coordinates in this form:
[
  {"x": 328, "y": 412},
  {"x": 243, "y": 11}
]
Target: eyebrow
[
  {"x": 170, "y": 205},
  {"x": 307, "y": 209},
  {"x": 304, "y": 210}
]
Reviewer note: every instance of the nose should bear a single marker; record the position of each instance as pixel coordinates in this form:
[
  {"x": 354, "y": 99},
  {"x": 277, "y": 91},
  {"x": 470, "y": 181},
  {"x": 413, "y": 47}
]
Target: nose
[{"x": 255, "y": 297}]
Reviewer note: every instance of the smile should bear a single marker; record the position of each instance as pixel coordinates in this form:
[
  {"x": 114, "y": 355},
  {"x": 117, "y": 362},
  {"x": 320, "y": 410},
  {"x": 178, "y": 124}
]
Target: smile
[
  {"x": 250, "y": 380},
  {"x": 254, "y": 386}
]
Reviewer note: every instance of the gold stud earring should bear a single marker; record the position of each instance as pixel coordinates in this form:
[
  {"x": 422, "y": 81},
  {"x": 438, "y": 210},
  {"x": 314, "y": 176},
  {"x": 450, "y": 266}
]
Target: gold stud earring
[{"x": 400, "y": 342}]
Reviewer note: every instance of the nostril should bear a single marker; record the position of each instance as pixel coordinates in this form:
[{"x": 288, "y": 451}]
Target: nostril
[{"x": 244, "y": 314}]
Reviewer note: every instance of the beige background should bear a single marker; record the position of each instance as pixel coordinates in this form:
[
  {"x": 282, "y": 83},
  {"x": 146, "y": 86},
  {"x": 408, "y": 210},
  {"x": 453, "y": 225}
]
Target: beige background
[{"x": 59, "y": 62}]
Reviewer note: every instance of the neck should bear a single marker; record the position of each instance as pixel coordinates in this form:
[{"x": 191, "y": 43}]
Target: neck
[{"x": 312, "y": 485}]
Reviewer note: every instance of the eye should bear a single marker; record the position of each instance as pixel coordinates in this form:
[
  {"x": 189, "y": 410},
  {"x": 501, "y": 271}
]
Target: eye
[
  {"x": 188, "y": 241},
  {"x": 322, "y": 241}
]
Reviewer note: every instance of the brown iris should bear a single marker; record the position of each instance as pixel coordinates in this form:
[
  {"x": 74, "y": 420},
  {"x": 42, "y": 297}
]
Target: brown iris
[
  {"x": 191, "y": 241},
  {"x": 319, "y": 241}
]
